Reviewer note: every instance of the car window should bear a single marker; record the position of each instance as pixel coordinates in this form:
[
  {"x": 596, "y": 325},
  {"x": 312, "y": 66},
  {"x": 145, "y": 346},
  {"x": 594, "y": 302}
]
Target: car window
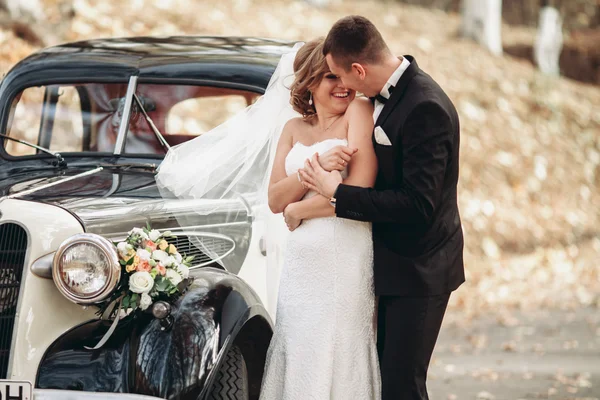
[
  {"x": 66, "y": 118},
  {"x": 181, "y": 112},
  {"x": 24, "y": 121}
]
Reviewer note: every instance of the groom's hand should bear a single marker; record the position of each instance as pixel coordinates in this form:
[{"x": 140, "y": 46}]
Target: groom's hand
[
  {"x": 314, "y": 177},
  {"x": 337, "y": 158}
]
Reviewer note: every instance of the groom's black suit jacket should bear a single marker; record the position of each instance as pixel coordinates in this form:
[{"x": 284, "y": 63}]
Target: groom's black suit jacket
[{"x": 417, "y": 234}]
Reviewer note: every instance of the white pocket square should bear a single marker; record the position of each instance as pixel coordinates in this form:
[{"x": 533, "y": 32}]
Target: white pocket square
[{"x": 381, "y": 137}]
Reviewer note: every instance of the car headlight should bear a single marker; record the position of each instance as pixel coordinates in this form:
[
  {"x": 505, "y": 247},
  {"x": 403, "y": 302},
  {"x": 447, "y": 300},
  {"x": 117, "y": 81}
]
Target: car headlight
[{"x": 86, "y": 268}]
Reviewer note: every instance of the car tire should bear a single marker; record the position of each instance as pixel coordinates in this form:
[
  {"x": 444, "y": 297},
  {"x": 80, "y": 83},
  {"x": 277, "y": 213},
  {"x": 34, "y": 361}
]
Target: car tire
[{"x": 231, "y": 382}]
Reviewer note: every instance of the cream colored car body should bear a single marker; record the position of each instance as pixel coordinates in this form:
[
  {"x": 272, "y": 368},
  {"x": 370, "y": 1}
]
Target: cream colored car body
[{"x": 43, "y": 314}]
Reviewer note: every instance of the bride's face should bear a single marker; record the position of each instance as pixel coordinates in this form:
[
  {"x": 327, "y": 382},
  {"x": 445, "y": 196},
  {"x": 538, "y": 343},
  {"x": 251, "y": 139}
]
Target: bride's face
[{"x": 331, "y": 95}]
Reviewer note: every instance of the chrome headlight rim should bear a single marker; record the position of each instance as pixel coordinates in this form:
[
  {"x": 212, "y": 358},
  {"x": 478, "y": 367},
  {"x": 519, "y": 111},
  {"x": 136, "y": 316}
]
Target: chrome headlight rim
[{"x": 107, "y": 248}]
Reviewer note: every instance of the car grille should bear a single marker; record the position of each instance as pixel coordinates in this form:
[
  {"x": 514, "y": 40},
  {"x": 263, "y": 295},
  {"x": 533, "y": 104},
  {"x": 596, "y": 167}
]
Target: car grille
[
  {"x": 192, "y": 244},
  {"x": 13, "y": 246}
]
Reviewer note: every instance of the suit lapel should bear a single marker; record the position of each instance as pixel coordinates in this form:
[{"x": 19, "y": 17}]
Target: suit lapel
[{"x": 399, "y": 90}]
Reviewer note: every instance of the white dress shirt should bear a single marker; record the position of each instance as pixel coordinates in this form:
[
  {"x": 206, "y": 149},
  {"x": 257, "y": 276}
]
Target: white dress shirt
[{"x": 392, "y": 81}]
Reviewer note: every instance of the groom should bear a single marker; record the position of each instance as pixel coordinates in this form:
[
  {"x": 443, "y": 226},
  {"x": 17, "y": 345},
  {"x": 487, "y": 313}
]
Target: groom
[{"x": 417, "y": 234}]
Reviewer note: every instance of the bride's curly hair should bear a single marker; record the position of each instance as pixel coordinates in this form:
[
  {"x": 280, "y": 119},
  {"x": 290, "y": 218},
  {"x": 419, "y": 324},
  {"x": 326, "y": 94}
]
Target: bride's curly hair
[{"x": 309, "y": 69}]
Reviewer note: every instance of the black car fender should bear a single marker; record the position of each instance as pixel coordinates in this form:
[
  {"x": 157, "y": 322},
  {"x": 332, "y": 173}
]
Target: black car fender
[{"x": 218, "y": 310}]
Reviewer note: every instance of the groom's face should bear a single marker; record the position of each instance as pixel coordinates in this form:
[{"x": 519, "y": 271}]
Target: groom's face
[{"x": 350, "y": 79}]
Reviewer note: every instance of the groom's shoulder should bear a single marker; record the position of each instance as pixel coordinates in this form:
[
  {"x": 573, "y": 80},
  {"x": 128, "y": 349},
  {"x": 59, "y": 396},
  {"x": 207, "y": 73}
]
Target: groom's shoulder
[{"x": 424, "y": 89}]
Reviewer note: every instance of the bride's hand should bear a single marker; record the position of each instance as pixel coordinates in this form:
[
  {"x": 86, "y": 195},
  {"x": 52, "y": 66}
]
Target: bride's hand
[
  {"x": 337, "y": 158},
  {"x": 291, "y": 219}
]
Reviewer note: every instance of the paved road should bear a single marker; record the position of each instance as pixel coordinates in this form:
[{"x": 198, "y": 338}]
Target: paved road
[{"x": 535, "y": 355}]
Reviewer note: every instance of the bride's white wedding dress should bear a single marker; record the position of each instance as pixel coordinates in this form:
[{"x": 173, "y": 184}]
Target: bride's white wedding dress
[{"x": 323, "y": 347}]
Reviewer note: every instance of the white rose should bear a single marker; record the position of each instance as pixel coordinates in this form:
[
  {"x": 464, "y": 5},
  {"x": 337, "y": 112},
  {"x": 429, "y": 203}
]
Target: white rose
[
  {"x": 123, "y": 248},
  {"x": 154, "y": 235},
  {"x": 143, "y": 254},
  {"x": 146, "y": 301},
  {"x": 178, "y": 258},
  {"x": 183, "y": 270},
  {"x": 171, "y": 262},
  {"x": 140, "y": 232},
  {"x": 141, "y": 282},
  {"x": 174, "y": 276},
  {"x": 160, "y": 255}
]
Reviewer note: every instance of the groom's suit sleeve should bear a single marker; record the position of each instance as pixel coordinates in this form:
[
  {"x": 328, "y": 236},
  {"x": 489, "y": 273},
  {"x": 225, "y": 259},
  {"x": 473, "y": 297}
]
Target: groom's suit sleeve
[{"x": 426, "y": 145}]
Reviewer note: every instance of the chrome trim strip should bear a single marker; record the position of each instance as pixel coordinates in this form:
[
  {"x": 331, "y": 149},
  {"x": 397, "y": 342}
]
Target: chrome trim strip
[
  {"x": 116, "y": 182},
  {"x": 42, "y": 267},
  {"x": 35, "y": 189},
  {"x": 124, "y": 127},
  {"x": 177, "y": 231}
]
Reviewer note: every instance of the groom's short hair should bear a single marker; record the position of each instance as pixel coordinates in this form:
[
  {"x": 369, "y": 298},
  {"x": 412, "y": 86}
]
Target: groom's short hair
[{"x": 354, "y": 39}]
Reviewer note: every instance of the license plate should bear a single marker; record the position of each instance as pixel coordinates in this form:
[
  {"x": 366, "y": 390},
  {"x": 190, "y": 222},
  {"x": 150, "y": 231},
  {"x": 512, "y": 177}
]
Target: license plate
[{"x": 15, "y": 390}]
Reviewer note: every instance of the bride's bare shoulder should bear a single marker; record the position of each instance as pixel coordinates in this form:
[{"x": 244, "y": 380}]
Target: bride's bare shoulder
[
  {"x": 359, "y": 106},
  {"x": 295, "y": 128},
  {"x": 295, "y": 123}
]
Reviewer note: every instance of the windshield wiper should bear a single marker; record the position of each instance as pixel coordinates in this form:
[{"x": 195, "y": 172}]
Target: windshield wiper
[
  {"x": 60, "y": 161},
  {"x": 157, "y": 133}
]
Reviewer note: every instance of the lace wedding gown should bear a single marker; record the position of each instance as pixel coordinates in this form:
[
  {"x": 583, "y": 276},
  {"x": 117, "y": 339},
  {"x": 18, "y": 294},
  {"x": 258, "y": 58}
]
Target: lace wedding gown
[{"x": 323, "y": 347}]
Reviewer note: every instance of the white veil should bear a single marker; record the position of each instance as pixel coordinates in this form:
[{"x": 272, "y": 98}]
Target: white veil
[{"x": 234, "y": 160}]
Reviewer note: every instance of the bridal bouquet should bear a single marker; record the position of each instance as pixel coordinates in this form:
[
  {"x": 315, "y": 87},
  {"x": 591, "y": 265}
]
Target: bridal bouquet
[{"x": 151, "y": 270}]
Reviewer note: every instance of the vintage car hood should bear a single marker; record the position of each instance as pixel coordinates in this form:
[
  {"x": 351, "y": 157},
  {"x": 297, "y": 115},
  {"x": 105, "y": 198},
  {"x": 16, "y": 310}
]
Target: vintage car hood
[{"x": 111, "y": 202}]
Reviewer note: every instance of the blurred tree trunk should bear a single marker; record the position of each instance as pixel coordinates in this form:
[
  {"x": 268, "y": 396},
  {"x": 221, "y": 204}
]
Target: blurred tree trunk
[
  {"x": 482, "y": 21},
  {"x": 549, "y": 41}
]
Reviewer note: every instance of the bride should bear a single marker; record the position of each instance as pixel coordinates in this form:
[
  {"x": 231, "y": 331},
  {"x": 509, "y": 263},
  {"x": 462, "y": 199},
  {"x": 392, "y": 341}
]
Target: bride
[{"x": 323, "y": 346}]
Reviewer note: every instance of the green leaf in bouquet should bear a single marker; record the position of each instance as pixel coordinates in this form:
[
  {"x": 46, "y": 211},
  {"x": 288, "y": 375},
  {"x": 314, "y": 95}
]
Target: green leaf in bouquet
[
  {"x": 189, "y": 259},
  {"x": 148, "y": 227},
  {"x": 133, "y": 305},
  {"x": 125, "y": 302},
  {"x": 130, "y": 261},
  {"x": 162, "y": 284},
  {"x": 122, "y": 262},
  {"x": 153, "y": 273},
  {"x": 135, "y": 297}
]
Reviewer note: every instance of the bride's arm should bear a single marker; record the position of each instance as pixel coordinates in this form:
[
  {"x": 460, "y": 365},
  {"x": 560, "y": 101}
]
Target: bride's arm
[
  {"x": 284, "y": 189},
  {"x": 362, "y": 169}
]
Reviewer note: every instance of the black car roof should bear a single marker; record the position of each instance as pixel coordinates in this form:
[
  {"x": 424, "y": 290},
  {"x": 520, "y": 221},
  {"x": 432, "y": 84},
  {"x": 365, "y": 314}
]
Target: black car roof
[{"x": 241, "y": 60}]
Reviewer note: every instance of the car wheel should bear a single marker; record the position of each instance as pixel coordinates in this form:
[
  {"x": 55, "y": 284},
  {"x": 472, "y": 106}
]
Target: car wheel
[{"x": 231, "y": 382}]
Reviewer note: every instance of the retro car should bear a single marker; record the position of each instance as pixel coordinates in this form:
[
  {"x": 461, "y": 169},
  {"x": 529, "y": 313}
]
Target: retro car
[{"x": 84, "y": 128}]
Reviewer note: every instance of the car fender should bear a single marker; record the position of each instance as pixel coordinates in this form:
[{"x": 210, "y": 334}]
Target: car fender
[{"x": 179, "y": 362}]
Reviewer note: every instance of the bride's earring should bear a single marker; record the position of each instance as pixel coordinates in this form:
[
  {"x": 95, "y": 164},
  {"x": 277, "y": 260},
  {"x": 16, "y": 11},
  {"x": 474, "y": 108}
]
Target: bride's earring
[{"x": 310, "y": 102}]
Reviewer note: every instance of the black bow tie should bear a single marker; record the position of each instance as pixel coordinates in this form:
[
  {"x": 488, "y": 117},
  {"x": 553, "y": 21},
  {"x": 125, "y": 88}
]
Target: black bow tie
[{"x": 380, "y": 98}]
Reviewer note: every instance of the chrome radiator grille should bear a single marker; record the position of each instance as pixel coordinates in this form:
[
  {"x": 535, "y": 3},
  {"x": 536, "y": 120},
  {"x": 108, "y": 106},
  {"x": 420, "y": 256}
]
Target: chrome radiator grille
[
  {"x": 190, "y": 244},
  {"x": 13, "y": 246}
]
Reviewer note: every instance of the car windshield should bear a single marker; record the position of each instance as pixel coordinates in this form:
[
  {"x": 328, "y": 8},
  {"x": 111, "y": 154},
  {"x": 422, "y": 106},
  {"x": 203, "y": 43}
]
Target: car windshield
[{"x": 86, "y": 117}]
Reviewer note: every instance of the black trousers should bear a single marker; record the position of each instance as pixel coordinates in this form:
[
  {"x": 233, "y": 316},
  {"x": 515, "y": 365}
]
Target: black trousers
[{"x": 407, "y": 329}]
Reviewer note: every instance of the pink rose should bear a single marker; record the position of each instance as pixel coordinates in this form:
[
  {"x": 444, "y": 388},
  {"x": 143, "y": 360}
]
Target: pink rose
[
  {"x": 151, "y": 244},
  {"x": 161, "y": 269},
  {"x": 143, "y": 266}
]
